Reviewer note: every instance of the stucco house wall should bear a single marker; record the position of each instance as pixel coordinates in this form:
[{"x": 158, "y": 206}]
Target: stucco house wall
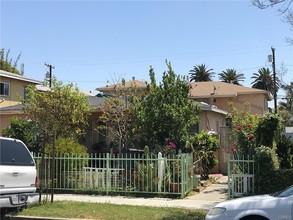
[{"x": 10, "y": 104}]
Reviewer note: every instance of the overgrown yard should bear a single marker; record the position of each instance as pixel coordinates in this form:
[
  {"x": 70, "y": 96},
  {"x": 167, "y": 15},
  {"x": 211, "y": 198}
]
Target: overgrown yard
[{"x": 82, "y": 210}]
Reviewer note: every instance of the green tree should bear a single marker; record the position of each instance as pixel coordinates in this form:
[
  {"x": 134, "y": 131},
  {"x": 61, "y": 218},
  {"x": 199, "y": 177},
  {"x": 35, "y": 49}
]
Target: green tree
[
  {"x": 263, "y": 79},
  {"x": 116, "y": 118},
  {"x": 201, "y": 73},
  {"x": 231, "y": 76},
  {"x": 166, "y": 111},
  {"x": 7, "y": 64},
  {"x": 25, "y": 130},
  {"x": 61, "y": 111}
]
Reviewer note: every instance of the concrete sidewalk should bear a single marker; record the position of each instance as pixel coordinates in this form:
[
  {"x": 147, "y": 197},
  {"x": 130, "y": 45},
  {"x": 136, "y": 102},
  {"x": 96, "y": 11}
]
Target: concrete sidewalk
[{"x": 206, "y": 199}]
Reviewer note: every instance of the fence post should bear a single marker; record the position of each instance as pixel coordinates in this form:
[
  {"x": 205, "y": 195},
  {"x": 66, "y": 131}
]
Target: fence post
[
  {"x": 107, "y": 173},
  {"x": 161, "y": 168}
]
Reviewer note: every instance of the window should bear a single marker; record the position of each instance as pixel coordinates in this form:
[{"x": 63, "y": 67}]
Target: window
[
  {"x": 4, "y": 89},
  {"x": 14, "y": 153}
]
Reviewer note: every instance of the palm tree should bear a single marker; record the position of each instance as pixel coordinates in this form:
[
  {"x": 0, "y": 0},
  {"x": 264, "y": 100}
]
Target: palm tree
[
  {"x": 201, "y": 73},
  {"x": 231, "y": 76},
  {"x": 263, "y": 79}
]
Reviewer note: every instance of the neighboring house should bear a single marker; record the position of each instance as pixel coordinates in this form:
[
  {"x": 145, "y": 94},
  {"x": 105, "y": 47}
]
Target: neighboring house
[
  {"x": 221, "y": 93},
  {"x": 12, "y": 89},
  {"x": 135, "y": 86}
]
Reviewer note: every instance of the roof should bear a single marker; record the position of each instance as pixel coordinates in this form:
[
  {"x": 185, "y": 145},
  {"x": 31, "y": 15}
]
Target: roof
[
  {"x": 18, "y": 77},
  {"x": 11, "y": 110},
  {"x": 207, "y": 107},
  {"x": 222, "y": 89},
  {"x": 128, "y": 84}
]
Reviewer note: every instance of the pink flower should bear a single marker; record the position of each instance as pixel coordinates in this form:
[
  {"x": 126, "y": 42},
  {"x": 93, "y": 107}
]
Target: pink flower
[{"x": 172, "y": 145}]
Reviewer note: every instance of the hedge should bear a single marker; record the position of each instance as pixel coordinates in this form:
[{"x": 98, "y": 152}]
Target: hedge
[{"x": 273, "y": 181}]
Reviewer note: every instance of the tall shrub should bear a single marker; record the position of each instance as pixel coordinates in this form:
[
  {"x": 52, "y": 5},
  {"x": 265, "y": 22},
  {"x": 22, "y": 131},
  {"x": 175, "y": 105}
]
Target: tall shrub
[
  {"x": 267, "y": 161},
  {"x": 204, "y": 147},
  {"x": 165, "y": 112},
  {"x": 267, "y": 129}
]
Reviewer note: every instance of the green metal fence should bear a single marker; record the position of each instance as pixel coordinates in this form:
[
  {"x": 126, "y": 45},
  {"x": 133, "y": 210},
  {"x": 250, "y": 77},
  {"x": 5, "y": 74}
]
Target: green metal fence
[
  {"x": 241, "y": 172},
  {"x": 125, "y": 173}
]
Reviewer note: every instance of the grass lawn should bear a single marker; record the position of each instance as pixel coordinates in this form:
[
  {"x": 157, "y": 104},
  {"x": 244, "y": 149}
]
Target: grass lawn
[{"x": 82, "y": 210}]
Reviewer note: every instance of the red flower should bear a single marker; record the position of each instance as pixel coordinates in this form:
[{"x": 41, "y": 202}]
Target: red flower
[
  {"x": 233, "y": 148},
  {"x": 239, "y": 128},
  {"x": 250, "y": 137},
  {"x": 249, "y": 126}
]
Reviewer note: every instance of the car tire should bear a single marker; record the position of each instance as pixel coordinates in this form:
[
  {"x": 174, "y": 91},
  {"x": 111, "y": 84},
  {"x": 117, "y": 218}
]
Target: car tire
[{"x": 254, "y": 217}]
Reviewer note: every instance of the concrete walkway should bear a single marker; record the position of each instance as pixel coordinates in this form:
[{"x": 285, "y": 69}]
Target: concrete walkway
[{"x": 206, "y": 199}]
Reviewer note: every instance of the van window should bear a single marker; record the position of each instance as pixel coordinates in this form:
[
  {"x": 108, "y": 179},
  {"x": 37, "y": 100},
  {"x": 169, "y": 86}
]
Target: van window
[{"x": 14, "y": 153}]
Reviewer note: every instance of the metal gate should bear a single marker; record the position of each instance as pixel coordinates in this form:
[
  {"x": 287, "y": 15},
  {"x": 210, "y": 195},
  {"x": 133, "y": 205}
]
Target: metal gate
[{"x": 241, "y": 181}]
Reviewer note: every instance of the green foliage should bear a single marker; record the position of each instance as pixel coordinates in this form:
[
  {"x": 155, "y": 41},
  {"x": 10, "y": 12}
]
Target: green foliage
[
  {"x": 204, "y": 147},
  {"x": 242, "y": 130},
  {"x": 63, "y": 110},
  {"x": 267, "y": 129},
  {"x": 267, "y": 159},
  {"x": 9, "y": 65},
  {"x": 117, "y": 119},
  {"x": 165, "y": 112},
  {"x": 67, "y": 146},
  {"x": 25, "y": 130},
  {"x": 201, "y": 73},
  {"x": 274, "y": 181},
  {"x": 231, "y": 76},
  {"x": 146, "y": 176},
  {"x": 285, "y": 151}
]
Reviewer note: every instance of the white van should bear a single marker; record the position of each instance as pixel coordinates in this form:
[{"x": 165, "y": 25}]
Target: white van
[{"x": 18, "y": 176}]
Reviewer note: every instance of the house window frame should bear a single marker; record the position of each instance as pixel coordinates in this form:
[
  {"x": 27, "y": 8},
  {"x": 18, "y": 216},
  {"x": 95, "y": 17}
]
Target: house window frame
[{"x": 5, "y": 89}]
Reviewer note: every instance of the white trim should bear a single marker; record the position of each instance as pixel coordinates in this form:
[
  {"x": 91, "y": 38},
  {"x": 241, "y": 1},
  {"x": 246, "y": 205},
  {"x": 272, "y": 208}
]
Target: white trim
[{"x": 18, "y": 77}]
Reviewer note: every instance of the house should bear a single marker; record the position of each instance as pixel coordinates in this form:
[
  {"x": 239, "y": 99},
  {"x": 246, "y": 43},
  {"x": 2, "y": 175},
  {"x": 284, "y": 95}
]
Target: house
[
  {"x": 12, "y": 89},
  {"x": 136, "y": 86},
  {"x": 221, "y": 93}
]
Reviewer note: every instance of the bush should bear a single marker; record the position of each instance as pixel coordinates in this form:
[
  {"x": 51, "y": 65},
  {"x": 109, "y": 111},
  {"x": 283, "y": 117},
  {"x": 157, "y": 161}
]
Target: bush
[
  {"x": 70, "y": 159},
  {"x": 285, "y": 152},
  {"x": 204, "y": 147},
  {"x": 274, "y": 180},
  {"x": 67, "y": 146},
  {"x": 25, "y": 130},
  {"x": 268, "y": 163},
  {"x": 266, "y": 130},
  {"x": 267, "y": 159}
]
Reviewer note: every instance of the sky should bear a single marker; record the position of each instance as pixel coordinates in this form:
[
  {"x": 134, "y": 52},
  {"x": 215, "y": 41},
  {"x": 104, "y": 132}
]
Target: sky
[{"x": 95, "y": 43}]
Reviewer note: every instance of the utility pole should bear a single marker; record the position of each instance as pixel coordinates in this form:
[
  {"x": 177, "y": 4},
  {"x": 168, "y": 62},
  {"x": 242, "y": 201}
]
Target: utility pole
[
  {"x": 274, "y": 76},
  {"x": 50, "y": 73}
]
